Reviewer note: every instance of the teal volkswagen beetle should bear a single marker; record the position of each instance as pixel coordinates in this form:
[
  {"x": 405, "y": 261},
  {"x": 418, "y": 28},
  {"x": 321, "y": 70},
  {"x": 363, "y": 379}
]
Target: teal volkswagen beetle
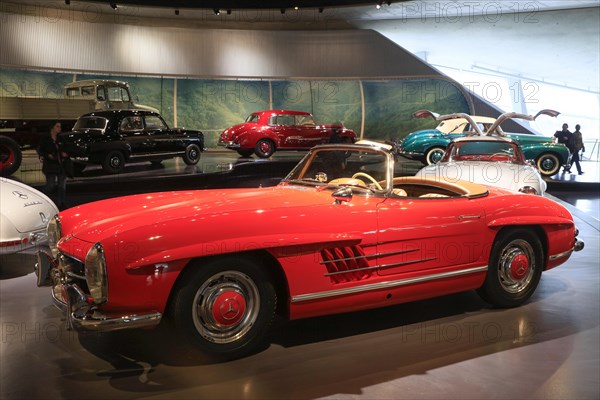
[{"x": 429, "y": 145}]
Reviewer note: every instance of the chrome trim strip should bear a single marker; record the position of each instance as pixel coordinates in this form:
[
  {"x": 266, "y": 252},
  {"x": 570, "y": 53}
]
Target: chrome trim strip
[
  {"x": 561, "y": 255},
  {"x": 379, "y": 266},
  {"x": 406, "y": 263},
  {"x": 351, "y": 271},
  {"x": 144, "y": 155},
  {"x": 393, "y": 253},
  {"x": 385, "y": 285}
]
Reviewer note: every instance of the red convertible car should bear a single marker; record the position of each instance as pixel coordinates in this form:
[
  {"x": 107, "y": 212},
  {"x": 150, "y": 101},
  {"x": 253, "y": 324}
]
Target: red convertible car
[
  {"x": 341, "y": 233},
  {"x": 265, "y": 132}
]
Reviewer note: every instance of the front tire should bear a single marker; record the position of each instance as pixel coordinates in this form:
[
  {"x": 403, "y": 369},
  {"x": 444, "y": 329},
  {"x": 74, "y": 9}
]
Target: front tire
[
  {"x": 515, "y": 268},
  {"x": 225, "y": 307},
  {"x": 548, "y": 164},
  {"x": 10, "y": 156},
  {"x": 245, "y": 152},
  {"x": 114, "y": 162},
  {"x": 192, "y": 154},
  {"x": 264, "y": 148},
  {"x": 434, "y": 155}
]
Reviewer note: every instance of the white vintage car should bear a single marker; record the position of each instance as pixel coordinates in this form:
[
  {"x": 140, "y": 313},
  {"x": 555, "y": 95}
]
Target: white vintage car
[
  {"x": 24, "y": 216},
  {"x": 488, "y": 160}
]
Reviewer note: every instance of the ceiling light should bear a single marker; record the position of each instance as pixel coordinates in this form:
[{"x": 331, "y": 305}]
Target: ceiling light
[
  {"x": 296, "y": 8},
  {"x": 114, "y": 6},
  {"x": 217, "y": 11}
]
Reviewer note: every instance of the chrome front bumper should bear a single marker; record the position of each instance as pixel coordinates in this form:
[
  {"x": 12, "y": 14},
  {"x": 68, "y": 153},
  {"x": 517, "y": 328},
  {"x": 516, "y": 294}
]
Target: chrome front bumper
[
  {"x": 229, "y": 145},
  {"x": 81, "y": 312},
  {"x": 411, "y": 154}
]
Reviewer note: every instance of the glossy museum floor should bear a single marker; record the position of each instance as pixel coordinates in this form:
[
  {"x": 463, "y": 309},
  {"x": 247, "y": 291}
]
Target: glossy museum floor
[{"x": 450, "y": 347}]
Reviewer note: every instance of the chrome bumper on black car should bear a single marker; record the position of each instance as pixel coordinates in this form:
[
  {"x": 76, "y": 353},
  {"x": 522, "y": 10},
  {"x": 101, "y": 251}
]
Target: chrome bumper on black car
[
  {"x": 579, "y": 245},
  {"x": 81, "y": 312},
  {"x": 229, "y": 145}
]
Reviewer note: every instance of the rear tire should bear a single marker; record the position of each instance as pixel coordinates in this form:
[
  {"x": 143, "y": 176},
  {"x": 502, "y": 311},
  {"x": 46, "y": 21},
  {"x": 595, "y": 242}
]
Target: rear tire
[
  {"x": 515, "y": 268},
  {"x": 10, "y": 156},
  {"x": 433, "y": 155},
  {"x": 225, "y": 307},
  {"x": 548, "y": 164},
  {"x": 264, "y": 148}
]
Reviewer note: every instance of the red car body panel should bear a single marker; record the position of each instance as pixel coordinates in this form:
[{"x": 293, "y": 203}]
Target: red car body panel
[
  {"x": 443, "y": 245},
  {"x": 245, "y": 136}
]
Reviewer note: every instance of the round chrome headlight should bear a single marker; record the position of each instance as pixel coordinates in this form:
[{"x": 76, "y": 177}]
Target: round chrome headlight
[
  {"x": 95, "y": 274},
  {"x": 54, "y": 231}
]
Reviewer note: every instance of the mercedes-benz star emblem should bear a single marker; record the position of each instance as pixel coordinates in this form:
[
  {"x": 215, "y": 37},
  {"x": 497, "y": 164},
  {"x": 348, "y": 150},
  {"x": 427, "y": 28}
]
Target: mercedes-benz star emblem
[
  {"x": 230, "y": 309},
  {"x": 20, "y": 195}
]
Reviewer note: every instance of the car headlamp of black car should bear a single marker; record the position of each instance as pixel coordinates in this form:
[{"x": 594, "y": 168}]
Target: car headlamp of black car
[{"x": 95, "y": 274}]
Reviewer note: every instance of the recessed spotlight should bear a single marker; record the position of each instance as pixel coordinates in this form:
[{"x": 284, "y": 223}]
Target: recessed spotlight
[{"x": 296, "y": 8}]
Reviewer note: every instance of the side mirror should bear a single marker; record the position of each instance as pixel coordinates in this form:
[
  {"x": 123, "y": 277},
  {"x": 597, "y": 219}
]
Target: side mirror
[{"x": 342, "y": 195}]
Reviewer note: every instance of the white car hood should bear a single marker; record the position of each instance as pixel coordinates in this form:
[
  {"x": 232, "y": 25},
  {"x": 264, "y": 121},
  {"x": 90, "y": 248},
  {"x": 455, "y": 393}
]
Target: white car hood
[
  {"x": 498, "y": 174},
  {"x": 25, "y": 208}
]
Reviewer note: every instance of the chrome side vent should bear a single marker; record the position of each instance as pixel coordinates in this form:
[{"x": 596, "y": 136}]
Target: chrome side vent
[{"x": 346, "y": 264}]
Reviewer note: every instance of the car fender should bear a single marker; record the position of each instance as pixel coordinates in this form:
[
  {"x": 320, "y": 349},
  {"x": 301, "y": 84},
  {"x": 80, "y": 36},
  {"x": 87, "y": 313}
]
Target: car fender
[
  {"x": 533, "y": 151},
  {"x": 278, "y": 245}
]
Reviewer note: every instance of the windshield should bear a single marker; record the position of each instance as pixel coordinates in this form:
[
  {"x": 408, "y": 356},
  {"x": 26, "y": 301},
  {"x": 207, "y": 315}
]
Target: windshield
[
  {"x": 343, "y": 166},
  {"x": 252, "y": 118},
  {"x": 85, "y": 123},
  {"x": 483, "y": 151}
]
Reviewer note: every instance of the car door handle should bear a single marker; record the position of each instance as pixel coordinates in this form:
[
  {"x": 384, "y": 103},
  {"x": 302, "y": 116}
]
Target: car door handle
[{"x": 463, "y": 217}]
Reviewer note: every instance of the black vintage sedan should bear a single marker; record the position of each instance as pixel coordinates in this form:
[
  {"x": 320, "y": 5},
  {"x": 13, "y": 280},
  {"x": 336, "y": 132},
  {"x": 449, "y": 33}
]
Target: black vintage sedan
[{"x": 112, "y": 138}]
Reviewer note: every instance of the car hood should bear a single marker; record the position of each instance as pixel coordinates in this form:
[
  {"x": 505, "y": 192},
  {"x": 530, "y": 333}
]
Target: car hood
[
  {"x": 110, "y": 218},
  {"x": 24, "y": 207},
  {"x": 498, "y": 174}
]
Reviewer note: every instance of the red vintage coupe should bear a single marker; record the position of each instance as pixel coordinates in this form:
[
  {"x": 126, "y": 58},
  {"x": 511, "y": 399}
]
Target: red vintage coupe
[
  {"x": 265, "y": 132},
  {"x": 341, "y": 233}
]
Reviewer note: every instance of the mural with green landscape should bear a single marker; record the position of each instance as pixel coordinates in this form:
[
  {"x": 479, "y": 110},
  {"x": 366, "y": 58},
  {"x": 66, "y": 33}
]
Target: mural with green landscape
[{"x": 212, "y": 105}]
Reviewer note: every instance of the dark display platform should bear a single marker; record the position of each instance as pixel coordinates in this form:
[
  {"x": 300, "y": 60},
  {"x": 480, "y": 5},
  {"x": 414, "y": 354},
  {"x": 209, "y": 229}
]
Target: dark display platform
[{"x": 547, "y": 348}]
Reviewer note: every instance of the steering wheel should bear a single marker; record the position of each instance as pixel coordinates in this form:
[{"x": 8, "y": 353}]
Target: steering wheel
[
  {"x": 369, "y": 177},
  {"x": 500, "y": 154}
]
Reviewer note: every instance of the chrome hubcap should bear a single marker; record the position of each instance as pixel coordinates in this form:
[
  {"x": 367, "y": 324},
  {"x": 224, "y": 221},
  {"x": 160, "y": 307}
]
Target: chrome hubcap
[
  {"x": 115, "y": 162},
  {"x": 548, "y": 164},
  {"x": 265, "y": 147},
  {"x": 516, "y": 267},
  {"x": 226, "y": 307}
]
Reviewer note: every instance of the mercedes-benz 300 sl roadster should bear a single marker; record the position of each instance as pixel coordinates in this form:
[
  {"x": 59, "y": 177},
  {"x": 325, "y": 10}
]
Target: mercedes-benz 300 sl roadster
[{"x": 340, "y": 233}]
